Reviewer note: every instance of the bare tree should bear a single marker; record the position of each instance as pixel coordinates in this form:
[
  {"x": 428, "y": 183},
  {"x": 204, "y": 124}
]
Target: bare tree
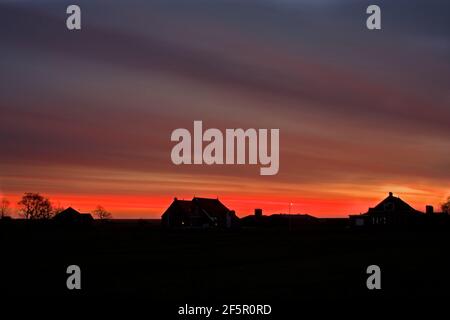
[
  {"x": 101, "y": 213},
  {"x": 57, "y": 208},
  {"x": 35, "y": 206},
  {"x": 446, "y": 206},
  {"x": 4, "y": 208}
]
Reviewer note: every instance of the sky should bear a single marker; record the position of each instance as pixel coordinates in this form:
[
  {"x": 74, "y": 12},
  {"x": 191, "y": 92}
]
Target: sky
[{"x": 86, "y": 116}]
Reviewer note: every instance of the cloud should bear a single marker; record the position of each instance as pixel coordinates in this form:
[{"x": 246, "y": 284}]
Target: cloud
[{"x": 354, "y": 108}]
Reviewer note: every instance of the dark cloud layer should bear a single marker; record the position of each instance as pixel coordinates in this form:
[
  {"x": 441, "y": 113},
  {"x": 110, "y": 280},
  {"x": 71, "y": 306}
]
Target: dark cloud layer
[{"x": 352, "y": 105}]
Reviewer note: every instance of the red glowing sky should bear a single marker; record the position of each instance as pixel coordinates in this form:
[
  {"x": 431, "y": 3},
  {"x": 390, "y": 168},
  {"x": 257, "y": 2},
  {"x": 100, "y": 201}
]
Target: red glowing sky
[{"x": 86, "y": 118}]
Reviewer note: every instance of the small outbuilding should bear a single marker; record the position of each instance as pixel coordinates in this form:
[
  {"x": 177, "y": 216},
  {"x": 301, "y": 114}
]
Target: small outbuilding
[{"x": 72, "y": 216}]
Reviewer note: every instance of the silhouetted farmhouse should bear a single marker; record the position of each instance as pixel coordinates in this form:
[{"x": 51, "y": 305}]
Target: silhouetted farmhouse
[
  {"x": 72, "y": 216},
  {"x": 390, "y": 211},
  {"x": 199, "y": 212}
]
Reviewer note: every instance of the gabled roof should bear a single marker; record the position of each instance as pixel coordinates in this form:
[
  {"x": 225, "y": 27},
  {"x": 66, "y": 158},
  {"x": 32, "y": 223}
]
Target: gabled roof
[
  {"x": 70, "y": 214},
  {"x": 393, "y": 204},
  {"x": 183, "y": 207},
  {"x": 212, "y": 207}
]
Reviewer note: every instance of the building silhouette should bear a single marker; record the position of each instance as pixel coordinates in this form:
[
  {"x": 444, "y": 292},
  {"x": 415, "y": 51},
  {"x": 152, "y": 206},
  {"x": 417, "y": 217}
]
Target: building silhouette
[
  {"x": 258, "y": 219},
  {"x": 391, "y": 211},
  {"x": 72, "y": 216},
  {"x": 199, "y": 212}
]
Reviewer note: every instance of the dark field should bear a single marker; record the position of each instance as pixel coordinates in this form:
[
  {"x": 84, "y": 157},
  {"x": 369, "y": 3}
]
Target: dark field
[{"x": 140, "y": 260}]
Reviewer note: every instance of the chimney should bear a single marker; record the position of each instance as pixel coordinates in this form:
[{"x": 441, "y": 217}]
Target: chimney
[
  {"x": 390, "y": 194},
  {"x": 429, "y": 209},
  {"x": 258, "y": 212}
]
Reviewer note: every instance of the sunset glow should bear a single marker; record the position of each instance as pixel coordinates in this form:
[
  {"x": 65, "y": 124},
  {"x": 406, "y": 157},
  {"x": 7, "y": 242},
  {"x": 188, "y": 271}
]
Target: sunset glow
[{"x": 86, "y": 117}]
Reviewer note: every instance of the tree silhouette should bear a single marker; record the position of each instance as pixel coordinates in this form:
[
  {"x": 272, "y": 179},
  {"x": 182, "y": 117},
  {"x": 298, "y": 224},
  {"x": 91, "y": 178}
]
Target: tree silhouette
[
  {"x": 4, "y": 207},
  {"x": 57, "y": 208},
  {"x": 35, "y": 206},
  {"x": 446, "y": 206},
  {"x": 101, "y": 213}
]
